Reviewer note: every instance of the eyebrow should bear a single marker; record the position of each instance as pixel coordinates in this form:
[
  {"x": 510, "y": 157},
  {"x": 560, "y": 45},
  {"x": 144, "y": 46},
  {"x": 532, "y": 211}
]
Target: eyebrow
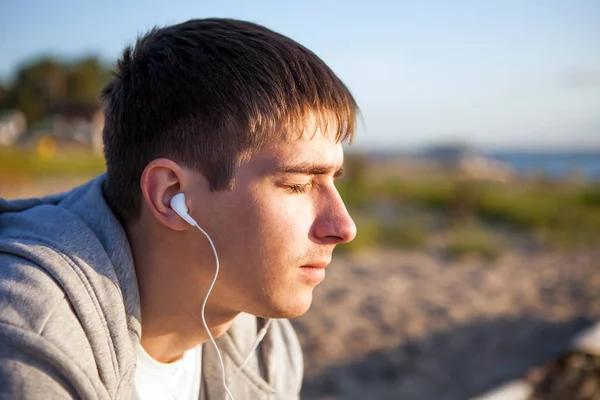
[{"x": 308, "y": 169}]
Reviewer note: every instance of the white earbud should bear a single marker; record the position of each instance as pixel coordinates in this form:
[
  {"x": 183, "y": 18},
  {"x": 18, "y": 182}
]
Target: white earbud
[{"x": 178, "y": 205}]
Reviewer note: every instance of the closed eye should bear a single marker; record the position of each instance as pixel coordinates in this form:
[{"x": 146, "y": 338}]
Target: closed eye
[{"x": 299, "y": 188}]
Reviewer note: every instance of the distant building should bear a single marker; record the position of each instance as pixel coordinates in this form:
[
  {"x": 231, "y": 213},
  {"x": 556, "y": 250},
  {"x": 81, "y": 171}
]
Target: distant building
[
  {"x": 468, "y": 161},
  {"x": 451, "y": 155},
  {"x": 12, "y": 126},
  {"x": 69, "y": 126}
]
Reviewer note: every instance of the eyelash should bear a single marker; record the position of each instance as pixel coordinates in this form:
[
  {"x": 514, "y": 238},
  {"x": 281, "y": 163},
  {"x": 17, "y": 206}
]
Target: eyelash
[{"x": 299, "y": 188}]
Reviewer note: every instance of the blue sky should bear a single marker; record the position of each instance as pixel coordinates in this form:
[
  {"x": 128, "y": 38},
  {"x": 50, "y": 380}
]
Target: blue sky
[{"x": 495, "y": 73}]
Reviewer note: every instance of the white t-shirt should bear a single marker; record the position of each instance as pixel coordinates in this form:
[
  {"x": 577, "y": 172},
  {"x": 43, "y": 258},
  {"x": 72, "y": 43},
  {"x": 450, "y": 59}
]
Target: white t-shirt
[{"x": 179, "y": 380}]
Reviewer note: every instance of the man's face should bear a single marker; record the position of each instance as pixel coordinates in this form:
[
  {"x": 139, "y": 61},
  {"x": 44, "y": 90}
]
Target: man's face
[{"x": 275, "y": 231}]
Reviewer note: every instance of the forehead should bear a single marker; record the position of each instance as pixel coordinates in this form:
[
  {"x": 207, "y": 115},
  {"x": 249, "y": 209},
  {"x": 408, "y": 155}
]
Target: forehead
[{"x": 318, "y": 148}]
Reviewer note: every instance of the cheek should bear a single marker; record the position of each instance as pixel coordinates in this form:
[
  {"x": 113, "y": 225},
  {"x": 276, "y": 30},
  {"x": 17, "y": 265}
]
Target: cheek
[
  {"x": 265, "y": 228},
  {"x": 288, "y": 217},
  {"x": 281, "y": 225}
]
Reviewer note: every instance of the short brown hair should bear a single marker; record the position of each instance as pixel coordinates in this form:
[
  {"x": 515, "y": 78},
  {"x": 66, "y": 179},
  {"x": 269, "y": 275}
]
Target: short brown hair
[{"x": 206, "y": 92}]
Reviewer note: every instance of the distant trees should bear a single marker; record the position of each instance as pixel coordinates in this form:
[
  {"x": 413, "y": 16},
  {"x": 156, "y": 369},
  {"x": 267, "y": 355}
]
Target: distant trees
[
  {"x": 46, "y": 82},
  {"x": 2, "y": 96}
]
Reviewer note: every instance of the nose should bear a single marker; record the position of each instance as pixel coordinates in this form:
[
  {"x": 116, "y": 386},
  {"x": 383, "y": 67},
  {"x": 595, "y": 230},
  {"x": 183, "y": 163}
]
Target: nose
[{"x": 334, "y": 225}]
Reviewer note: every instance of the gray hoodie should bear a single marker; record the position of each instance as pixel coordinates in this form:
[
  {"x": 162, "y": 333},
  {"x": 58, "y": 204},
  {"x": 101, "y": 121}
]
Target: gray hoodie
[{"x": 70, "y": 319}]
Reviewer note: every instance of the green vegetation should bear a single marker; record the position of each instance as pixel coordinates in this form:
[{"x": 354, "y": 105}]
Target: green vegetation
[
  {"x": 407, "y": 234},
  {"x": 433, "y": 192},
  {"x": 471, "y": 239},
  {"x": 559, "y": 215},
  {"x": 591, "y": 196},
  {"x": 16, "y": 164},
  {"x": 367, "y": 236}
]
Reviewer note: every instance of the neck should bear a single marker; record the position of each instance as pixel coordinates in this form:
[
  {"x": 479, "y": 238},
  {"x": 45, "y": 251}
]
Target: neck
[{"x": 172, "y": 290}]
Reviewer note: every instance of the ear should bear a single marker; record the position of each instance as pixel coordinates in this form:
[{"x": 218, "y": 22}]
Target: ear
[{"x": 161, "y": 180}]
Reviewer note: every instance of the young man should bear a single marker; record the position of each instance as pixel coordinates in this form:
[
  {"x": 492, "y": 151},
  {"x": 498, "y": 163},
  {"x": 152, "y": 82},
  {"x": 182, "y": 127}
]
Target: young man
[{"x": 102, "y": 289}]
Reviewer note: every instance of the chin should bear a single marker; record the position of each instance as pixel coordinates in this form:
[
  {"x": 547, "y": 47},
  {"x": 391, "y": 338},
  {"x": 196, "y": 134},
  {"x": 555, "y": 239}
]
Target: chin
[{"x": 290, "y": 307}]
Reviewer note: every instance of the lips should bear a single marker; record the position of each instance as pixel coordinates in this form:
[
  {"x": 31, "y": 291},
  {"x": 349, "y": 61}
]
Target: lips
[
  {"x": 317, "y": 265},
  {"x": 314, "y": 272}
]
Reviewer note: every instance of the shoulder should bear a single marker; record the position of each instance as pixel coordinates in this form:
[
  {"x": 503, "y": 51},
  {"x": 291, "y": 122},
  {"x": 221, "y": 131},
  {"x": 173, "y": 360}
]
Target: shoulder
[
  {"x": 42, "y": 343},
  {"x": 35, "y": 308},
  {"x": 28, "y": 294}
]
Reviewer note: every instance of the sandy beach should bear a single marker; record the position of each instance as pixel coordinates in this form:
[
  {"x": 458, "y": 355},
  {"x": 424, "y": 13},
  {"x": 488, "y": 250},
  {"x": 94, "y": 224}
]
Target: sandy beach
[{"x": 403, "y": 325}]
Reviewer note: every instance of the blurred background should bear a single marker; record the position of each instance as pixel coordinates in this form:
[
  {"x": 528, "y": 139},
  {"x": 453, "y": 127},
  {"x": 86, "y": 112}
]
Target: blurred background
[{"x": 474, "y": 179}]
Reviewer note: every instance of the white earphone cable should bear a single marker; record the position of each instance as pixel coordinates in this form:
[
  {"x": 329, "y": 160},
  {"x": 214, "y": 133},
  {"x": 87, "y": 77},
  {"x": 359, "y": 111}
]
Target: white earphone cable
[
  {"x": 259, "y": 338},
  {"x": 178, "y": 205},
  {"x": 204, "y": 306}
]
